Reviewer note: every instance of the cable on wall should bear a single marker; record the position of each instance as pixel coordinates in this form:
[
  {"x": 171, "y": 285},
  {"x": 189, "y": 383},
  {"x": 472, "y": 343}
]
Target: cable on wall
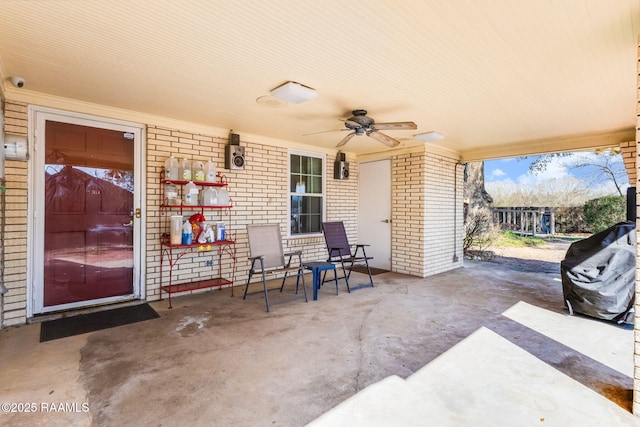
[{"x": 455, "y": 210}]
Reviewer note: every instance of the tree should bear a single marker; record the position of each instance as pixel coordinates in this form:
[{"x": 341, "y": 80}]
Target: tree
[
  {"x": 543, "y": 161},
  {"x": 604, "y": 212},
  {"x": 567, "y": 191},
  {"x": 477, "y": 229},
  {"x": 607, "y": 166},
  {"x": 475, "y": 194},
  {"x": 601, "y": 167}
]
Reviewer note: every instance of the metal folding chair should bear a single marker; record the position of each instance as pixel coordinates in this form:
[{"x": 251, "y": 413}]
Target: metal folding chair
[
  {"x": 267, "y": 257},
  {"x": 340, "y": 252}
]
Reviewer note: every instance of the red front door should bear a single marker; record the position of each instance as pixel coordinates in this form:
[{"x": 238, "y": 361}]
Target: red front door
[{"x": 88, "y": 232}]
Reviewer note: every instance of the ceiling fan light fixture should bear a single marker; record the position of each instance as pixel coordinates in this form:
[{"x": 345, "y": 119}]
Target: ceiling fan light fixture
[
  {"x": 429, "y": 136},
  {"x": 294, "y": 93}
]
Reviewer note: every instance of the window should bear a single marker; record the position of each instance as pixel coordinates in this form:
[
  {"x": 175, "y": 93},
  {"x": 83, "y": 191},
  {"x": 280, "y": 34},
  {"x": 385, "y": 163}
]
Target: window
[{"x": 306, "y": 193}]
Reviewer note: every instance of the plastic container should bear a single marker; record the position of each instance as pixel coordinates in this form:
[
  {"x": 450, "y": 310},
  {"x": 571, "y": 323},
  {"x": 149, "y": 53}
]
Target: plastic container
[
  {"x": 210, "y": 171},
  {"x": 209, "y": 197},
  {"x": 171, "y": 168},
  {"x": 223, "y": 197},
  {"x": 197, "y": 170},
  {"x": 220, "y": 231},
  {"x": 190, "y": 194},
  {"x": 187, "y": 234},
  {"x": 209, "y": 235},
  {"x": 176, "y": 229},
  {"x": 185, "y": 170},
  {"x": 171, "y": 194}
]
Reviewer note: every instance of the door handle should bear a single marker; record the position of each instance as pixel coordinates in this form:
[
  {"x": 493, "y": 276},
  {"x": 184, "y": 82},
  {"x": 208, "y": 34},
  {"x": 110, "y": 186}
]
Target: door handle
[
  {"x": 386, "y": 221},
  {"x": 129, "y": 224}
]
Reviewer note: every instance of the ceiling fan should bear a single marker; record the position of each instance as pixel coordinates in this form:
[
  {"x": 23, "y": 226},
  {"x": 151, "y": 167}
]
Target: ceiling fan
[{"x": 360, "y": 124}]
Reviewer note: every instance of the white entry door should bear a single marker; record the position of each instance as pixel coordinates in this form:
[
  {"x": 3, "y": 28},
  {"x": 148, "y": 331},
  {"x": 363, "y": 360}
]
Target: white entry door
[{"x": 374, "y": 211}]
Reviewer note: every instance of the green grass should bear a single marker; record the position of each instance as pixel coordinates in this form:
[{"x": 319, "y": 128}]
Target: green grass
[{"x": 509, "y": 238}]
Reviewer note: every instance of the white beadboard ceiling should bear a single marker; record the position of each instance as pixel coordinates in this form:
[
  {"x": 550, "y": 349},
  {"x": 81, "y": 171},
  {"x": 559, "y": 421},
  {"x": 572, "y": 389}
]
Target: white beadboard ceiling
[{"x": 496, "y": 77}]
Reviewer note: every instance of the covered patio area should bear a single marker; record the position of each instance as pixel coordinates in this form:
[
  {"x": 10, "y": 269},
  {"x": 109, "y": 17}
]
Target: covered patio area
[{"x": 486, "y": 344}]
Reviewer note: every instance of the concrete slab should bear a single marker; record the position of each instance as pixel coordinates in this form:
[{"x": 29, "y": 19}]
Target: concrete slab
[
  {"x": 581, "y": 333},
  {"x": 218, "y": 360},
  {"x": 484, "y": 380},
  {"x": 40, "y": 382}
]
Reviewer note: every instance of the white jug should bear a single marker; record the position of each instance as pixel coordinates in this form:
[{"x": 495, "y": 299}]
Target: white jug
[
  {"x": 171, "y": 194},
  {"x": 209, "y": 197},
  {"x": 223, "y": 197},
  {"x": 185, "y": 170},
  {"x": 210, "y": 171},
  {"x": 171, "y": 168},
  {"x": 190, "y": 194},
  {"x": 197, "y": 170}
]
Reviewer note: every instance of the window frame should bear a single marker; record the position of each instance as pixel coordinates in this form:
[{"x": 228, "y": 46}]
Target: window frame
[{"x": 323, "y": 195}]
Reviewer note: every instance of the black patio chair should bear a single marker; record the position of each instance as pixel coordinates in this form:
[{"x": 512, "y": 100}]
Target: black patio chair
[{"x": 344, "y": 254}]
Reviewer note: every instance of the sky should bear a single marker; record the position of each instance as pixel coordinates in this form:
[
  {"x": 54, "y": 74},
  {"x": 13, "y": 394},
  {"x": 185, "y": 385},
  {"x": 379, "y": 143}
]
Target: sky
[{"x": 516, "y": 170}]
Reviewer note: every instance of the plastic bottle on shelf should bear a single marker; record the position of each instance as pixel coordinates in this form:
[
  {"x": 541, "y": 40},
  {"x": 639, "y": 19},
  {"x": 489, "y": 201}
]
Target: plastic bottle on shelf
[
  {"x": 187, "y": 233},
  {"x": 176, "y": 229},
  {"x": 223, "y": 197},
  {"x": 171, "y": 194},
  {"x": 220, "y": 231},
  {"x": 210, "y": 171},
  {"x": 209, "y": 196},
  {"x": 171, "y": 168},
  {"x": 190, "y": 194},
  {"x": 185, "y": 170},
  {"x": 197, "y": 170}
]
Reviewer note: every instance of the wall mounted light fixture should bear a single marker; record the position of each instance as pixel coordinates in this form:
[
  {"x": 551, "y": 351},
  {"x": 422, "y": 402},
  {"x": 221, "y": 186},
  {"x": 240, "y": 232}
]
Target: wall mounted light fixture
[{"x": 15, "y": 147}]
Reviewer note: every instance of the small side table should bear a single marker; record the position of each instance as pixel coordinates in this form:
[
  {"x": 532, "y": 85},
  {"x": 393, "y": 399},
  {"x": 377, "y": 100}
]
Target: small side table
[{"x": 316, "y": 268}]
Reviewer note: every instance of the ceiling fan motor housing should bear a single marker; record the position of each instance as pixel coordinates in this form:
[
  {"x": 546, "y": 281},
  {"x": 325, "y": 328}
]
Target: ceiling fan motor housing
[
  {"x": 360, "y": 118},
  {"x": 360, "y": 125}
]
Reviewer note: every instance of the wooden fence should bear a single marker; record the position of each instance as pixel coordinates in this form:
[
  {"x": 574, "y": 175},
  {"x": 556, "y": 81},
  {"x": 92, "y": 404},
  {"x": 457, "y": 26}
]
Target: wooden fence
[{"x": 526, "y": 220}]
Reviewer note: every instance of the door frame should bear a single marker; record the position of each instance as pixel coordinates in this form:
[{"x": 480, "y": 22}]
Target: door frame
[
  {"x": 362, "y": 236},
  {"x": 37, "y": 116}
]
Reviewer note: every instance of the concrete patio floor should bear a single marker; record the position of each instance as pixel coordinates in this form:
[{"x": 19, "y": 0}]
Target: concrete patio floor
[{"x": 482, "y": 345}]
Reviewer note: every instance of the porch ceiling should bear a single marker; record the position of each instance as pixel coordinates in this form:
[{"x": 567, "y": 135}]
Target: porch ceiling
[{"x": 496, "y": 77}]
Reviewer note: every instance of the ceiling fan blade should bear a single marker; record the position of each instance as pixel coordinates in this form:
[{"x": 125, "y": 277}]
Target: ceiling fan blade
[
  {"x": 385, "y": 139},
  {"x": 346, "y": 139},
  {"x": 324, "y": 131},
  {"x": 395, "y": 126}
]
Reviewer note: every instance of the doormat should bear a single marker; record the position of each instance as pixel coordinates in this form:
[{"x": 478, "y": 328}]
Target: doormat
[
  {"x": 83, "y": 323},
  {"x": 363, "y": 270}
]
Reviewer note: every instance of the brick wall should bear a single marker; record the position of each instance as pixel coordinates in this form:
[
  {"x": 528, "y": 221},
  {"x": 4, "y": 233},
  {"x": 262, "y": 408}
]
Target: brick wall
[
  {"x": 259, "y": 194},
  {"x": 423, "y": 210},
  {"x": 427, "y": 220},
  {"x": 408, "y": 213},
  {"x": 15, "y": 238},
  {"x": 636, "y": 357},
  {"x": 628, "y": 152},
  {"x": 443, "y": 214}
]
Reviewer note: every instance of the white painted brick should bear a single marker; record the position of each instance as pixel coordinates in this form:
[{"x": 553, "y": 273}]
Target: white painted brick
[{"x": 422, "y": 185}]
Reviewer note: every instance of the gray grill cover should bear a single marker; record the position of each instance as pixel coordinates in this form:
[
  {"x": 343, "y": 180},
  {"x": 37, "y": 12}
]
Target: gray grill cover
[{"x": 598, "y": 274}]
